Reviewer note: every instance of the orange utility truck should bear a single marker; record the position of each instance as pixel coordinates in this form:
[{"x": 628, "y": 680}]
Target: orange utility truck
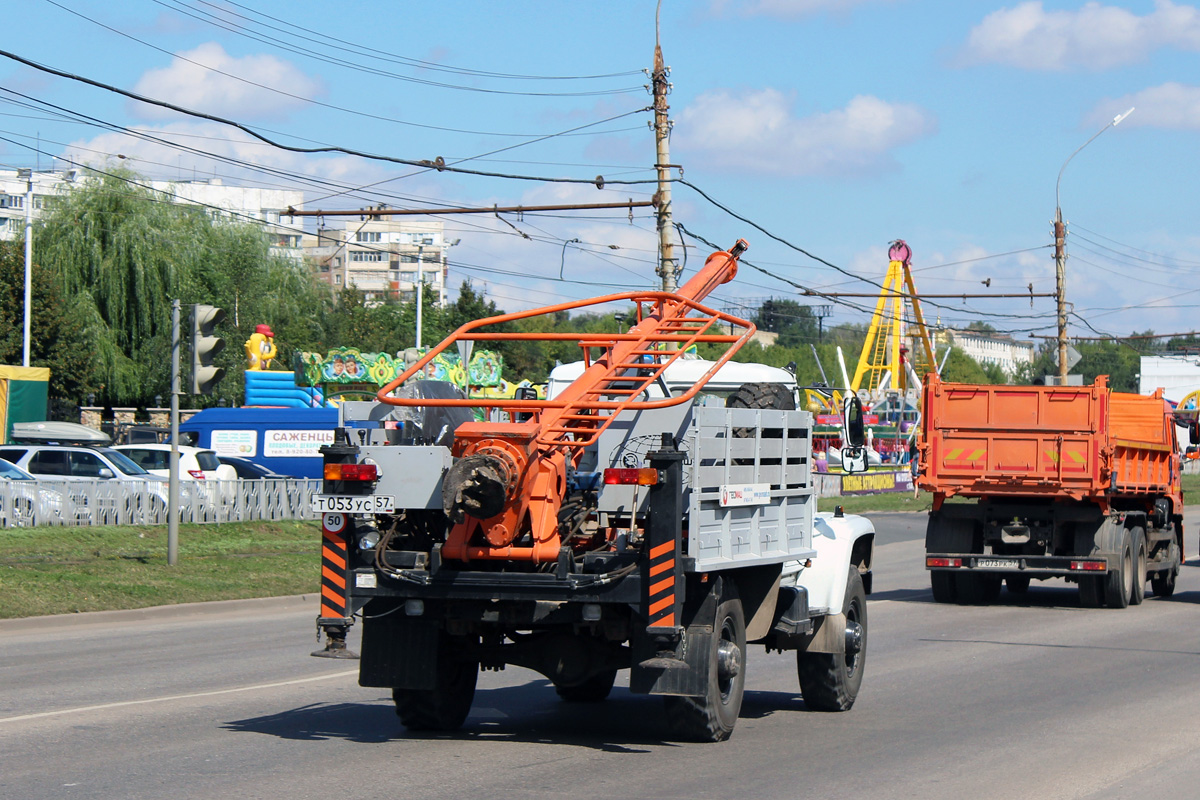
[{"x": 1077, "y": 482}]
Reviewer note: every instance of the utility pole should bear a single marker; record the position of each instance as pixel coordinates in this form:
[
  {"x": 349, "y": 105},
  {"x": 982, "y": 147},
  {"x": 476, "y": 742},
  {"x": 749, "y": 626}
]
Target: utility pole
[
  {"x": 662, "y": 135},
  {"x": 420, "y": 290},
  {"x": 1060, "y": 274}
]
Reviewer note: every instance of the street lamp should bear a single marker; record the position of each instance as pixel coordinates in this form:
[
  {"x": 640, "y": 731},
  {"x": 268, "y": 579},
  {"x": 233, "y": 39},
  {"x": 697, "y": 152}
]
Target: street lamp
[
  {"x": 27, "y": 174},
  {"x": 1060, "y": 254}
]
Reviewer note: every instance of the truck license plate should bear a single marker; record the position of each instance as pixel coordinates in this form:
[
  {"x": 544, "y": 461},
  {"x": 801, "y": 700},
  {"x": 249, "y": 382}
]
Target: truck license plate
[
  {"x": 995, "y": 563},
  {"x": 354, "y": 504}
]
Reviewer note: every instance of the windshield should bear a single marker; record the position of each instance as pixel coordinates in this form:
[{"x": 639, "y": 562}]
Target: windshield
[
  {"x": 13, "y": 473},
  {"x": 123, "y": 462}
]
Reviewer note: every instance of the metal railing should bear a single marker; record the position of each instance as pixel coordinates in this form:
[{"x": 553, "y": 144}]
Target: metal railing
[{"x": 111, "y": 502}]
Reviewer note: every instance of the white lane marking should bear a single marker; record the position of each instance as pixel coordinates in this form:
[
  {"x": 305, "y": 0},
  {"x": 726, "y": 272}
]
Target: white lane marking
[{"x": 83, "y": 709}]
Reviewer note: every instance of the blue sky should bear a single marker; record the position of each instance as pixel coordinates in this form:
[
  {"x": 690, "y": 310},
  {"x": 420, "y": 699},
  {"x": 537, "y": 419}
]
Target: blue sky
[{"x": 837, "y": 125}]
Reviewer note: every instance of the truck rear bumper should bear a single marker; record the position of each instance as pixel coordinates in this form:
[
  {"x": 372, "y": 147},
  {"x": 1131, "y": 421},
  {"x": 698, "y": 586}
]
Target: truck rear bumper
[{"x": 1039, "y": 566}]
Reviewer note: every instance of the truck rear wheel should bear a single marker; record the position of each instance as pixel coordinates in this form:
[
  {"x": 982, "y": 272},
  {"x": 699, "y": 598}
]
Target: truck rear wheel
[
  {"x": 944, "y": 589},
  {"x": 1139, "y": 568},
  {"x": 444, "y": 707},
  {"x": 977, "y": 589},
  {"x": 830, "y": 681},
  {"x": 1091, "y": 591},
  {"x": 711, "y": 717},
  {"x": 593, "y": 690},
  {"x": 1118, "y": 583}
]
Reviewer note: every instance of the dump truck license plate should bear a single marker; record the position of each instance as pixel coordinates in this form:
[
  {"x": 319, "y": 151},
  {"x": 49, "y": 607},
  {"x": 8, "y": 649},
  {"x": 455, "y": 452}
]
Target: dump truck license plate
[
  {"x": 354, "y": 504},
  {"x": 996, "y": 563}
]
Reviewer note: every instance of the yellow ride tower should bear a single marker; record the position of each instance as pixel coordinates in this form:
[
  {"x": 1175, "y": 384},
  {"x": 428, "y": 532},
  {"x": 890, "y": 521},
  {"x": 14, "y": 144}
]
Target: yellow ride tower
[{"x": 898, "y": 334}]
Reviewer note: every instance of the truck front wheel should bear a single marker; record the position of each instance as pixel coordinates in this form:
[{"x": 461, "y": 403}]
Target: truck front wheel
[
  {"x": 446, "y": 705},
  {"x": 1163, "y": 583},
  {"x": 830, "y": 681},
  {"x": 711, "y": 717}
]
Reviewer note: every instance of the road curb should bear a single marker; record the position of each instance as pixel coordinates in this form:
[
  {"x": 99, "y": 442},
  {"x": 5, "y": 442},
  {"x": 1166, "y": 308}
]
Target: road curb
[{"x": 161, "y": 613}]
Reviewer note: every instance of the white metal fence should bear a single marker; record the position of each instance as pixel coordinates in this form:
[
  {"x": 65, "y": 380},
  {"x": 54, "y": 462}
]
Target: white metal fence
[{"x": 111, "y": 502}]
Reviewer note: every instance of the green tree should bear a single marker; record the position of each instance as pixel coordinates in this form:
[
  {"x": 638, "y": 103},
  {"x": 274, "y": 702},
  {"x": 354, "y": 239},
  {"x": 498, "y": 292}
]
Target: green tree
[
  {"x": 794, "y": 322},
  {"x": 57, "y": 339},
  {"x": 122, "y": 253}
]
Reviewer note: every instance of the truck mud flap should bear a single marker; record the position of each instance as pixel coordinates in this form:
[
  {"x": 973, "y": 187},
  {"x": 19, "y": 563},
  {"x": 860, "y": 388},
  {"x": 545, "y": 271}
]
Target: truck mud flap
[
  {"x": 684, "y": 668},
  {"x": 398, "y": 652}
]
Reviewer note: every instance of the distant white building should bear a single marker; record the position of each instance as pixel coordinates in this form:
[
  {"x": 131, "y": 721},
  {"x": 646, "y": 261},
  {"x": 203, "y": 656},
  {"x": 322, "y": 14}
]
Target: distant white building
[
  {"x": 990, "y": 348},
  {"x": 1178, "y": 375},
  {"x": 239, "y": 203},
  {"x": 383, "y": 257}
]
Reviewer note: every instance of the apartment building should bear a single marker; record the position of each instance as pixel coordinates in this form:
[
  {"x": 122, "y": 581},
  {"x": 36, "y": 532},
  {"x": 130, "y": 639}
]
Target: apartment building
[
  {"x": 238, "y": 203},
  {"x": 990, "y": 348},
  {"x": 384, "y": 257}
]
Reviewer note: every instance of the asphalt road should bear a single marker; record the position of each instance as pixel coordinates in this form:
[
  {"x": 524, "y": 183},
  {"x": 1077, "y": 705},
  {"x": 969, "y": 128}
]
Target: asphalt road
[{"x": 1027, "y": 698}]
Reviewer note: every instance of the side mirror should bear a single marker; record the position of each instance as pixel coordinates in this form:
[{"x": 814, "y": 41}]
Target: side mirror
[
  {"x": 853, "y": 428},
  {"x": 1194, "y": 431},
  {"x": 105, "y": 472},
  {"x": 854, "y": 454}
]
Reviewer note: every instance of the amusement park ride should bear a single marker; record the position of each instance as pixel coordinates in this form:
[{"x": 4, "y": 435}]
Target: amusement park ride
[{"x": 896, "y": 356}]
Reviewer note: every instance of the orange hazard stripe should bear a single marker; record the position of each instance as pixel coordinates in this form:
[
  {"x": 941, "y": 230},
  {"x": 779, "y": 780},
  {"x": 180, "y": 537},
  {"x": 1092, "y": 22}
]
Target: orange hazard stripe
[
  {"x": 662, "y": 586},
  {"x": 666, "y": 622},
  {"x": 334, "y": 578},
  {"x": 659, "y": 605},
  {"x": 335, "y": 557},
  {"x": 662, "y": 549},
  {"x": 330, "y": 593},
  {"x": 662, "y": 567}
]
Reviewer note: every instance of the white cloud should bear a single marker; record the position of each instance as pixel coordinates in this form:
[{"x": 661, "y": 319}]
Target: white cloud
[
  {"x": 1094, "y": 37},
  {"x": 1171, "y": 105},
  {"x": 194, "y": 80},
  {"x": 757, "y": 132},
  {"x": 784, "y": 8},
  {"x": 163, "y": 162}
]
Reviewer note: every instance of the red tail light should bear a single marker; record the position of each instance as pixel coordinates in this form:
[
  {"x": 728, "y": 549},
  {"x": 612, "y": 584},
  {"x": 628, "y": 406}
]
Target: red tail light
[
  {"x": 351, "y": 472},
  {"x": 641, "y": 477},
  {"x": 1089, "y": 566},
  {"x": 943, "y": 562}
]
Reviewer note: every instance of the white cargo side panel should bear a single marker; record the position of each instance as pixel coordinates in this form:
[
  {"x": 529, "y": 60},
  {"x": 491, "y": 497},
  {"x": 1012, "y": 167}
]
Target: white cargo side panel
[{"x": 735, "y": 453}]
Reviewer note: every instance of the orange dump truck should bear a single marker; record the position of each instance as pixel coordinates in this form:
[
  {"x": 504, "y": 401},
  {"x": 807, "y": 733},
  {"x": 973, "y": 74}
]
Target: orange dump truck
[{"x": 1077, "y": 482}]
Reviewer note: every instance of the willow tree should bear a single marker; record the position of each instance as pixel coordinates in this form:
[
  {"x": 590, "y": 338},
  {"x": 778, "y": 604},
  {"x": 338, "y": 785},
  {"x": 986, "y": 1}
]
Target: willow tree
[{"x": 122, "y": 252}]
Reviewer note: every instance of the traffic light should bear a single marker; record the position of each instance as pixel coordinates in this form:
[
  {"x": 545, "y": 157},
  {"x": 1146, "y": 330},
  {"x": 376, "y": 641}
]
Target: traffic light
[{"x": 205, "y": 347}]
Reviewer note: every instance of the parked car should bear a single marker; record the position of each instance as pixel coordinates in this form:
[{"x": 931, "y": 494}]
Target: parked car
[
  {"x": 248, "y": 469},
  {"x": 76, "y": 463},
  {"x": 24, "y": 503},
  {"x": 195, "y": 463}
]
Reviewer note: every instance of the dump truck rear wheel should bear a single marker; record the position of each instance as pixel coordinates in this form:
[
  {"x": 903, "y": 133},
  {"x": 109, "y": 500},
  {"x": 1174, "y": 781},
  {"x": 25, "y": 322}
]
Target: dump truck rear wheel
[
  {"x": 944, "y": 589},
  {"x": 977, "y": 589},
  {"x": 1118, "y": 583},
  {"x": 1091, "y": 591},
  {"x": 1017, "y": 584},
  {"x": 1139, "y": 568},
  {"x": 830, "y": 681},
  {"x": 444, "y": 707},
  {"x": 593, "y": 690},
  {"x": 711, "y": 717}
]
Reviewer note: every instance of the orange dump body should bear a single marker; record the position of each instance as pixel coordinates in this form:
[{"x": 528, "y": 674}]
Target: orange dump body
[{"x": 1084, "y": 443}]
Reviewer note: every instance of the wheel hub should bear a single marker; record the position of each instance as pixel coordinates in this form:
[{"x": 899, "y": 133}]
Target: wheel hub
[
  {"x": 854, "y": 638},
  {"x": 729, "y": 660}
]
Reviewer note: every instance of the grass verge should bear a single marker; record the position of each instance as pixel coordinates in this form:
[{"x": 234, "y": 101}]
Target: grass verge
[{"x": 56, "y": 570}]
